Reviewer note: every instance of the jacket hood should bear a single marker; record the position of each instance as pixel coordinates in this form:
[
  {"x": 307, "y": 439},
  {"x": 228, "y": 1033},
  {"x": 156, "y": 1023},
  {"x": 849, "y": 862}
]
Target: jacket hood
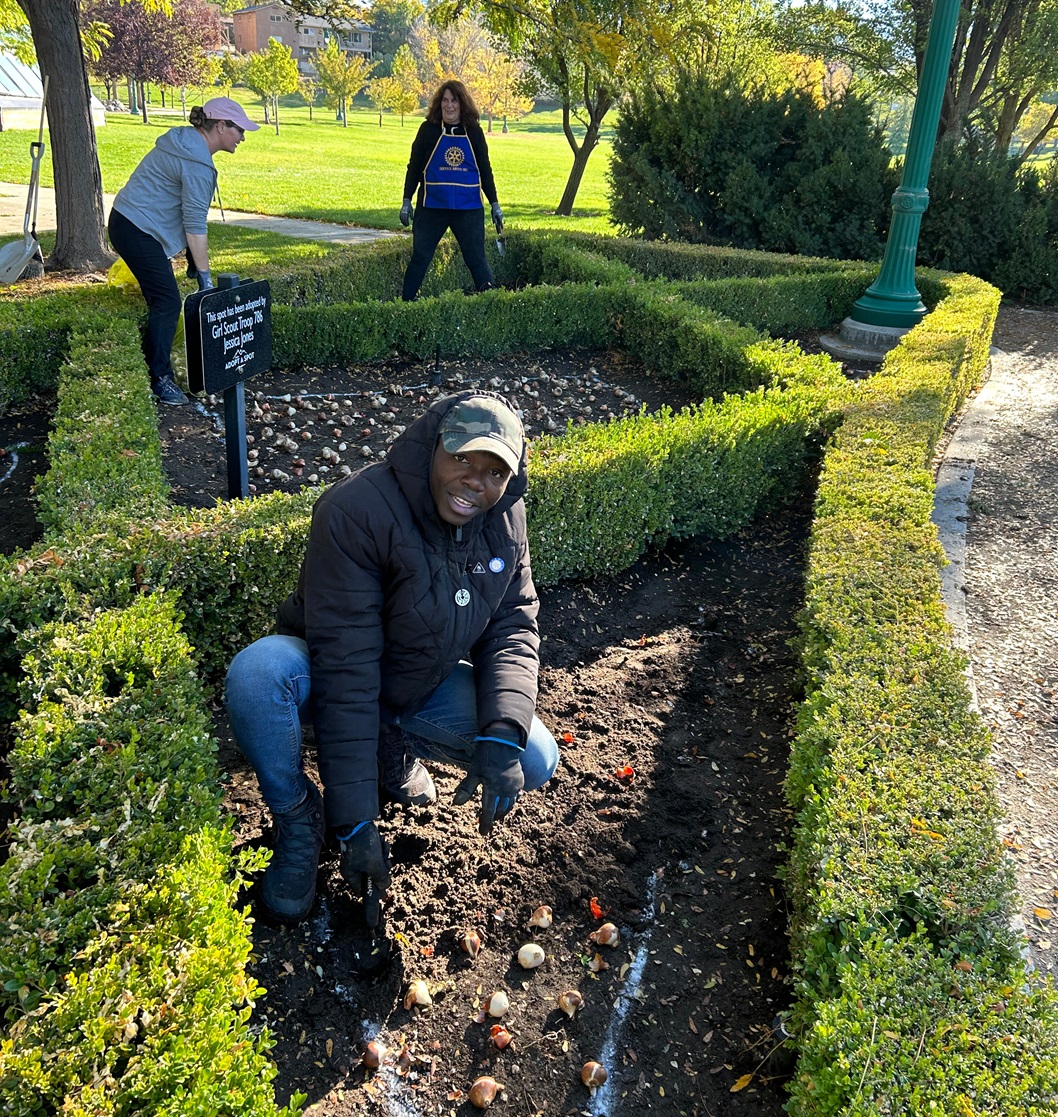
[
  {"x": 411, "y": 458},
  {"x": 185, "y": 143}
]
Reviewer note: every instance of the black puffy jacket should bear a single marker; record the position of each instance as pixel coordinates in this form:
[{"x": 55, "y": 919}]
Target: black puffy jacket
[{"x": 376, "y": 604}]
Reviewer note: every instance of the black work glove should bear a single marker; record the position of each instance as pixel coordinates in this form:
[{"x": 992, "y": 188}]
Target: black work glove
[
  {"x": 405, "y": 213},
  {"x": 497, "y": 770},
  {"x": 365, "y": 866},
  {"x": 497, "y": 217}
]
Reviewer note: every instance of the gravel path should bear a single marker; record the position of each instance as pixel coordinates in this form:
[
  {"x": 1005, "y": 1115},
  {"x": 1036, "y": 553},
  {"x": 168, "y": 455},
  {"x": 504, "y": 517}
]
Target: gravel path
[{"x": 1011, "y": 601}]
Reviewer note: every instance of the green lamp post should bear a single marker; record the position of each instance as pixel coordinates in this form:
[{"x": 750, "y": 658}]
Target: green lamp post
[{"x": 892, "y": 304}]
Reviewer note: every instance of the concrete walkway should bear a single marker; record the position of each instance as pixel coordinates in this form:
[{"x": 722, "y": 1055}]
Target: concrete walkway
[
  {"x": 13, "y": 214},
  {"x": 997, "y": 514}
]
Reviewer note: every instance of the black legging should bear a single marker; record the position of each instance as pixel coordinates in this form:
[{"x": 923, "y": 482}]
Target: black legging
[
  {"x": 149, "y": 264},
  {"x": 430, "y": 224}
]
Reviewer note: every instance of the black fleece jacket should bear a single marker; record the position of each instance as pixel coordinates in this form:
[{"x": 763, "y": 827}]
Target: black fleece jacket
[
  {"x": 424, "y": 143},
  {"x": 376, "y": 604}
]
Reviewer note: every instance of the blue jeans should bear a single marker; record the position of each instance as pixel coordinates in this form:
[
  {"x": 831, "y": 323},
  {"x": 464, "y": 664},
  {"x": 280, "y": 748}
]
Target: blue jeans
[{"x": 267, "y": 693}]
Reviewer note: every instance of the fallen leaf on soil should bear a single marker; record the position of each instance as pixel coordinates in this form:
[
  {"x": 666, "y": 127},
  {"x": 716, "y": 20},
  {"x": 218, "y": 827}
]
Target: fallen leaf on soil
[
  {"x": 742, "y": 1083},
  {"x": 568, "y": 737},
  {"x": 626, "y": 774},
  {"x": 1043, "y": 913},
  {"x": 691, "y": 1024}
]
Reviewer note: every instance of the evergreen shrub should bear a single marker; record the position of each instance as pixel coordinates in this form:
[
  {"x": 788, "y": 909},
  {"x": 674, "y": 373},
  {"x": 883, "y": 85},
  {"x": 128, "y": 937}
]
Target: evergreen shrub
[
  {"x": 990, "y": 218},
  {"x": 712, "y": 163},
  {"x": 119, "y": 859},
  {"x": 912, "y": 995}
]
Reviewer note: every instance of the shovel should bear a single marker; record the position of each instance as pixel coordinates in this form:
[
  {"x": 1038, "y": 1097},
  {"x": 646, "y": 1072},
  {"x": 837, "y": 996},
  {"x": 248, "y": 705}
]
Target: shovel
[{"x": 15, "y": 256}]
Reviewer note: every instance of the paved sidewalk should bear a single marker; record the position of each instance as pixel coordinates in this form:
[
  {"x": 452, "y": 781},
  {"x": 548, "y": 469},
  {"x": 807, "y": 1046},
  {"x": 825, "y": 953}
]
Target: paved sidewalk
[
  {"x": 997, "y": 510},
  {"x": 13, "y": 214}
]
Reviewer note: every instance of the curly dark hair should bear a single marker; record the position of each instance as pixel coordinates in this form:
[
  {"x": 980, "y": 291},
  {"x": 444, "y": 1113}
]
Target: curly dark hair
[
  {"x": 468, "y": 111},
  {"x": 197, "y": 117}
]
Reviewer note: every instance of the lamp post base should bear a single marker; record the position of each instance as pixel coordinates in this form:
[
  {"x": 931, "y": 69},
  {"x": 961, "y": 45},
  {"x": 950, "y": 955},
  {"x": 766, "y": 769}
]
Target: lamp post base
[{"x": 861, "y": 342}]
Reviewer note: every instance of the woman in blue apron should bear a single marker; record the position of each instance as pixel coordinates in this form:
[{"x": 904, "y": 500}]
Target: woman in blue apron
[{"x": 450, "y": 168}]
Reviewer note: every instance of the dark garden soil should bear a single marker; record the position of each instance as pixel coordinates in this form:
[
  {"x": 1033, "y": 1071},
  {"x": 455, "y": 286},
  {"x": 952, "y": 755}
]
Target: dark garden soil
[
  {"x": 23, "y": 441},
  {"x": 671, "y": 688}
]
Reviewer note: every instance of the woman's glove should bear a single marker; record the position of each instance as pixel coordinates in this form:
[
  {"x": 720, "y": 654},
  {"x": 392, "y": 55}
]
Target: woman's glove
[
  {"x": 497, "y": 770},
  {"x": 497, "y": 217},
  {"x": 365, "y": 866},
  {"x": 405, "y": 213},
  {"x": 205, "y": 280}
]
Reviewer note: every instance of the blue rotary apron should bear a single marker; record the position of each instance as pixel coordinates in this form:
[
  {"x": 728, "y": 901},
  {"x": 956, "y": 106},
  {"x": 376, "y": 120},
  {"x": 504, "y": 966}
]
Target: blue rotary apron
[{"x": 451, "y": 178}]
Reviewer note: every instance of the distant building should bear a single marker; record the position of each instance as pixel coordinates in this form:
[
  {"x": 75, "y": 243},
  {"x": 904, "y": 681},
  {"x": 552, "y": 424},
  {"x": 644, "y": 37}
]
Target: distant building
[
  {"x": 304, "y": 35},
  {"x": 21, "y": 93}
]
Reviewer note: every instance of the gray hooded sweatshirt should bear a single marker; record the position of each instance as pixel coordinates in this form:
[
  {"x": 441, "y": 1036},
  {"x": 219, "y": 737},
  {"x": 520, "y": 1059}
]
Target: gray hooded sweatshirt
[{"x": 169, "y": 192}]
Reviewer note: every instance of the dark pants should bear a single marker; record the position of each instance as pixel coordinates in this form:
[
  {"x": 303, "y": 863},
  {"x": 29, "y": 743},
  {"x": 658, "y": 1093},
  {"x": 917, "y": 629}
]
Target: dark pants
[
  {"x": 468, "y": 225},
  {"x": 149, "y": 264}
]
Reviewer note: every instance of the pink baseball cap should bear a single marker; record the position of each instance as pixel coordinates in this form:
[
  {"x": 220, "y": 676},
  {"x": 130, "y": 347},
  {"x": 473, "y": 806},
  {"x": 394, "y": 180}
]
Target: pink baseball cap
[{"x": 224, "y": 108}]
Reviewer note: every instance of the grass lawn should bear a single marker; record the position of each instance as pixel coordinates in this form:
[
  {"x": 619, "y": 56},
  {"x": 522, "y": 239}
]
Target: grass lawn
[
  {"x": 322, "y": 171},
  {"x": 244, "y": 251}
]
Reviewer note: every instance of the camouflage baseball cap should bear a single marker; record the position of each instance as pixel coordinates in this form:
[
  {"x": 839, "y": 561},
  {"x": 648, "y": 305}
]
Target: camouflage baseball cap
[{"x": 484, "y": 423}]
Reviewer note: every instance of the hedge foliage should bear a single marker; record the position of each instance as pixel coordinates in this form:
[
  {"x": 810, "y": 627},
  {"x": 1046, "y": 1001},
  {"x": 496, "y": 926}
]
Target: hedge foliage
[
  {"x": 902, "y": 897},
  {"x": 122, "y": 952}
]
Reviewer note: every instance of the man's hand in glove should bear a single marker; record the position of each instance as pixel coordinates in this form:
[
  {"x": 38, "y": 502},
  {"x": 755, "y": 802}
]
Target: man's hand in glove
[
  {"x": 365, "y": 866},
  {"x": 497, "y": 217},
  {"x": 405, "y": 213},
  {"x": 497, "y": 770},
  {"x": 205, "y": 280}
]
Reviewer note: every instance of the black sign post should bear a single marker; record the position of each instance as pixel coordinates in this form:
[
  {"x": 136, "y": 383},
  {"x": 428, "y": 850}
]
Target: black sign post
[{"x": 228, "y": 338}]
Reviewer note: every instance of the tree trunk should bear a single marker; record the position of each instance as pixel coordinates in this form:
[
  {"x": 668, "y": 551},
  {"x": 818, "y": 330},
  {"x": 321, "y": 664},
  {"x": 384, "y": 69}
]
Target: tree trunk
[
  {"x": 1036, "y": 140},
  {"x": 275, "y": 111},
  {"x": 580, "y": 162},
  {"x": 79, "y": 241},
  {"x": 143, "y": 101}
]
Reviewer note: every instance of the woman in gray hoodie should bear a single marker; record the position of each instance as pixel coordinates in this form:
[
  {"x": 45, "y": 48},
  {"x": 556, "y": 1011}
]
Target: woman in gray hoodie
[{"x": 161, "y": 212}]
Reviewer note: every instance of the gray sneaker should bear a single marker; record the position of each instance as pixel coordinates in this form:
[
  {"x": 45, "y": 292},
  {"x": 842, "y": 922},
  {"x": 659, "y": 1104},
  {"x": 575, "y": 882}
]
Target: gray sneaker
[
  {"x": 403, "y": 777},
  {"x": 288, "y": 889}
]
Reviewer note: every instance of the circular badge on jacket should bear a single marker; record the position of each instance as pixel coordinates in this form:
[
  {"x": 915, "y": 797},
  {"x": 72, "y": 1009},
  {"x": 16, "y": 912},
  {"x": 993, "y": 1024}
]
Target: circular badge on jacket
[
  {"x": 496, "y": 564},
  {"x": 454, "y": 156},
  {"x": 462, "y": 597}
]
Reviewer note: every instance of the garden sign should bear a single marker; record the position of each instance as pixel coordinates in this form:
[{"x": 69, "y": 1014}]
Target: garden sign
[{"x": 228, "y": 339}]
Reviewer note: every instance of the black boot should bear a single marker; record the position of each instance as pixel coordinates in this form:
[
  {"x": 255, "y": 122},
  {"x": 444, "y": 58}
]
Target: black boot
[
  {"x": 403, "y": 777},
  {"x": 289, "y": 885}
]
